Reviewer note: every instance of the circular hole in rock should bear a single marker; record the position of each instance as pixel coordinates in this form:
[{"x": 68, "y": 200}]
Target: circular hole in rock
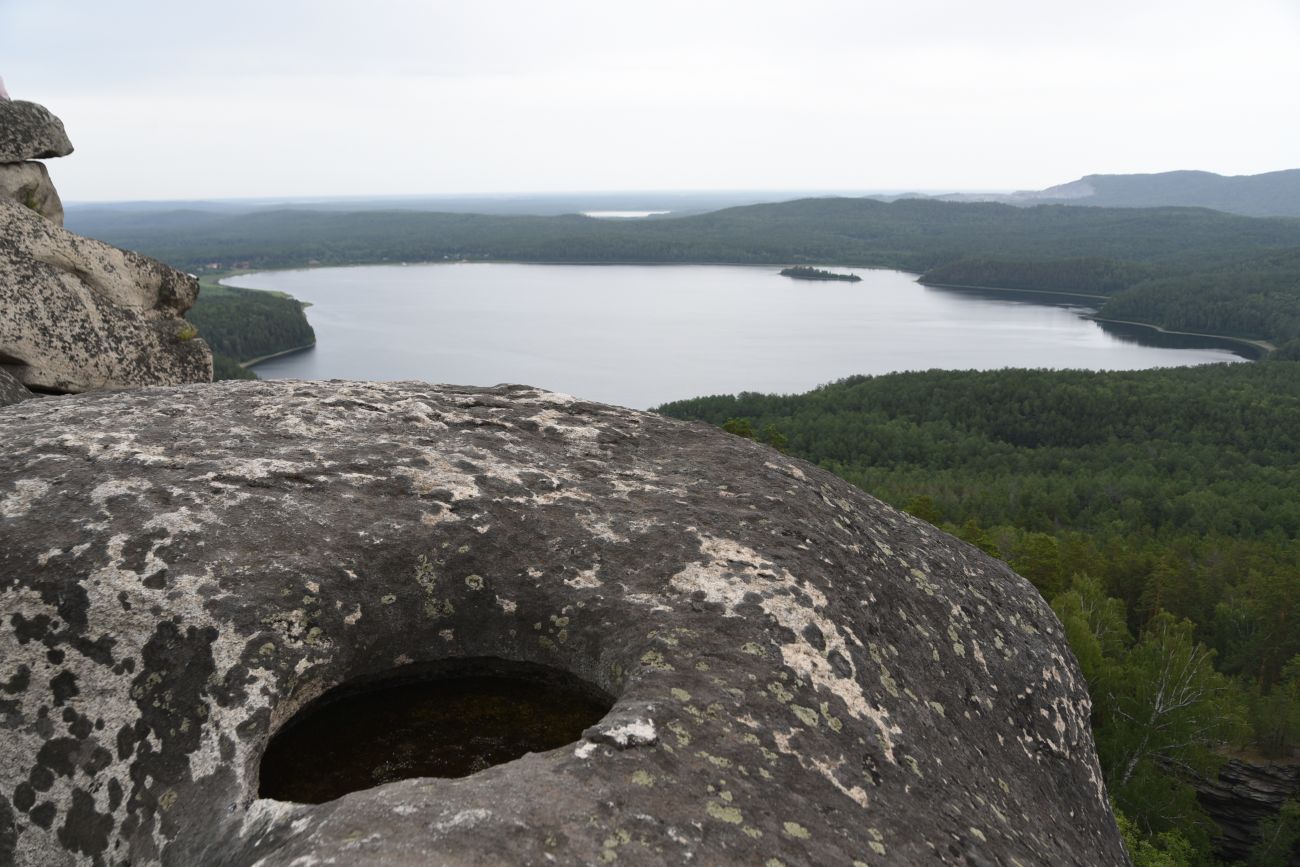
[{"x": 450, "y": 719}]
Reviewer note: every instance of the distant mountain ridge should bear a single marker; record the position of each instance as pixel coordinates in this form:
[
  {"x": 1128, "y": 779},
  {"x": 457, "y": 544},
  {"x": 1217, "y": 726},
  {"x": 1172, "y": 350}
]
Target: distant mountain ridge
[{"x": 1273, "y": 194}]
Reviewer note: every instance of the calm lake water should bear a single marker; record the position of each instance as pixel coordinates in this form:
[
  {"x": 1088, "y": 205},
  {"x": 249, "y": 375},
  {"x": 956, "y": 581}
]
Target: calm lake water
[{"x": 644, "y": 335}]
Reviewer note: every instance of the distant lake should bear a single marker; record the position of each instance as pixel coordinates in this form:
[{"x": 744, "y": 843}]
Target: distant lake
[
  {"x": 642, "y": 335},
  {"x": 623, "y": 215}
]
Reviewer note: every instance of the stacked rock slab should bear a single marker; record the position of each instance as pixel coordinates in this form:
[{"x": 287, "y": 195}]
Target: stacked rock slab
[
  {"x": 28, "y": 132},
  {"x": 77, "y": 314},
  {"x": 802, "y": 675}
]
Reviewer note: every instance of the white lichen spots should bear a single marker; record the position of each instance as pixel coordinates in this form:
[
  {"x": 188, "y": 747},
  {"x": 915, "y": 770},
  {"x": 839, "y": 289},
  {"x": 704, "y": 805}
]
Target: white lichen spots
[
  {"x": 354, "y": 617},
  {"x": 474, "y": 582},
  {"x": 445, "y": 516},
  {"x": 731, "y": 571},
  {"x": 406, "y": 809},
  {"x": 462, "y": 819},
  {"x": 509, "y": 606},
  {"x": 586, "y": 579},
  {"x": 402, "y": 659},
  {"x": 441, "y": 473},
  {"x": 26, "y": 492},
  {"x": 447, "y": 634},
  {"x": 584, "y": 749},
  {"x": 117, "y": 488},
  {"x": 640, "y": 732}
]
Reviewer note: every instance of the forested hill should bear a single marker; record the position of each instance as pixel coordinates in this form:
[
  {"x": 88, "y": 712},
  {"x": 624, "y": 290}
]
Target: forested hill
[
  {"x": 1156, "y": 509},
  {"x": 1272, "y": 194},
  {"x": 1134, "y": 246}
]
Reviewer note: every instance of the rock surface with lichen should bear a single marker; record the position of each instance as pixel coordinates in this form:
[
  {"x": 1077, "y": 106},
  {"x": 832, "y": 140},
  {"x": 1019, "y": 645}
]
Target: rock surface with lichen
[
  {"x": 802, "y": 674},
  {"x": 30, "y": 132},
  {"x": 77, "y": 314},
  {"x": 11, "y": 390},
  {"x": 29, "y": 185}
]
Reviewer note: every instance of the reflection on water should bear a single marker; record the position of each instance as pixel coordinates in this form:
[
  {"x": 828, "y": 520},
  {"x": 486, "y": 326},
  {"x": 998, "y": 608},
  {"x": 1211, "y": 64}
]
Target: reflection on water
[
  {"x": 1145, "y": 335},
  {"x": 641, "y": 335}
]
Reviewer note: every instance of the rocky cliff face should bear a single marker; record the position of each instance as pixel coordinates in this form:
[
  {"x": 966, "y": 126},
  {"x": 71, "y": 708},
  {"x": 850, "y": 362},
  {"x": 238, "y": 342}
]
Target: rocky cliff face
[
  {"x": 1244, "y": 795},
  {"x": 77, "y": 314},
  {"x": 801, "y": 675}
]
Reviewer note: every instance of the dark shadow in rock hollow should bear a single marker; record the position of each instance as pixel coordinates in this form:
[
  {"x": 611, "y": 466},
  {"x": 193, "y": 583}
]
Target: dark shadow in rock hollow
[{"x": 451, "y": 719}]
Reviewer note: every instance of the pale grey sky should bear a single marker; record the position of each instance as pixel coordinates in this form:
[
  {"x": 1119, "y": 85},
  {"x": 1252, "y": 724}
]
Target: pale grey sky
[{"x": 167, "y": 100}]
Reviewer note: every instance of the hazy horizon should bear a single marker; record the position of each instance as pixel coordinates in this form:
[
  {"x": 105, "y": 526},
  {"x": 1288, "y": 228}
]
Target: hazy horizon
[{"x": 324, "y": 98}]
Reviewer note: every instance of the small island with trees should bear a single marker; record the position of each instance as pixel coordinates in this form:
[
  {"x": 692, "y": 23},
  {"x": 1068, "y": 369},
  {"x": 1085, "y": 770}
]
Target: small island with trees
[{"x": 804, "y": 272}]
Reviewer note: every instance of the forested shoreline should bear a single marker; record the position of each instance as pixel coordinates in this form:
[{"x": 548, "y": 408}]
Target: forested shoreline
[
  {"x": 244, "y": 325},
  {"x": 1155, "y": 510},
  {"x": 1185, "y": 269}
]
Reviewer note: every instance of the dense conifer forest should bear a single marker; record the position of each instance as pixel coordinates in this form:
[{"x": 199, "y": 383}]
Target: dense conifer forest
[{"x": 1156, "y": 510}]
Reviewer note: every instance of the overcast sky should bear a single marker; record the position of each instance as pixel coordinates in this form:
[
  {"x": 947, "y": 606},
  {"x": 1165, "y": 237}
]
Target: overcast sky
[{"x": 167, "y": 100}]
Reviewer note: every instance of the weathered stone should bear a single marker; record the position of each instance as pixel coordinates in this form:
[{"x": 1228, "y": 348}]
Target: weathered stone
[
  {"x": 29, "y": 185},
  {"x": 11, "y": 390},
  {"x": 29, "y": 132},
  {"x": 801, "y": 674},
  {"x": 1244, "y": 795},
  {"x": 77, "y": 314}
]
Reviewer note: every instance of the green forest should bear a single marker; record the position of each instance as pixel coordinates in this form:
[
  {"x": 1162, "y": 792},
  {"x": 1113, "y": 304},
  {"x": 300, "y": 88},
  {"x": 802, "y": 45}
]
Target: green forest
[
  {"x": 1156, "y": 510},
  {"x": 244, "y": 324},
  {"x": 1187, "y": 269}
]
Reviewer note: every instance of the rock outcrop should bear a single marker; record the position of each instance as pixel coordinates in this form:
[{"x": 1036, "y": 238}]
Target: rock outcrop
[
  {"x": 11, "y": 390},
  {"x": 801, "y": 674},
  {"x": 1244, "y": 795},
  {"x": 29, "y": 185},
  {"x": 77, "y": 314},
  {"x": 30, "y": 132}
]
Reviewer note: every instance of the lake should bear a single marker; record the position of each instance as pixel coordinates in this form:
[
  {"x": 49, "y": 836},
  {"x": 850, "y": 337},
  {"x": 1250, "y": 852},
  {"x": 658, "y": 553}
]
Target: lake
[{"x": 642, "y": 335}]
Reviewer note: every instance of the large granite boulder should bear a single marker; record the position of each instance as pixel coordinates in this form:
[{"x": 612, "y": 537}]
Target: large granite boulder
[
  {"x": 29, "y": 132},
  {"x": 29, "y": 185},
  {"x": 801, "y": 674},
  {"x": 78, "y": 314}
]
